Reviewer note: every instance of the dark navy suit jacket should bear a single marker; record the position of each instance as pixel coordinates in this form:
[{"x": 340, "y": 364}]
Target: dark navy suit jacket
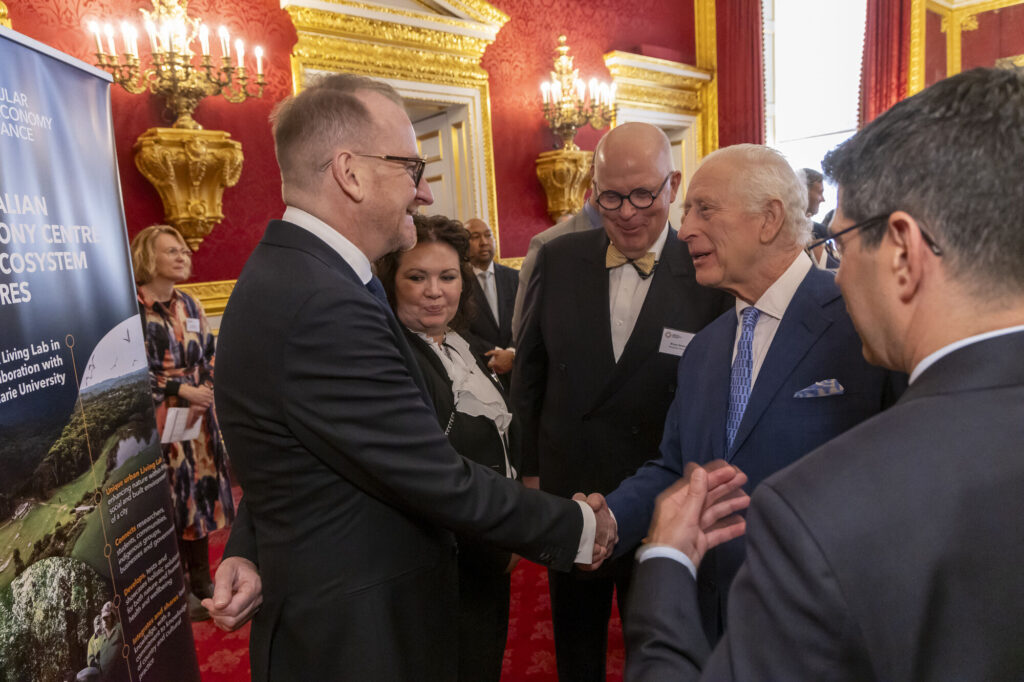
[
  {"x": 351, "y": 489},
  {"x": 815, "y": 342}
]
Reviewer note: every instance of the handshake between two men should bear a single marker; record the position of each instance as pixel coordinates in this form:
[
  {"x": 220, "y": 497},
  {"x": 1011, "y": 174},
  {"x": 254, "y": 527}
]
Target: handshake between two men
[
  {"x": 698, "y": 512},
  {"x": 695, "y": 514}
]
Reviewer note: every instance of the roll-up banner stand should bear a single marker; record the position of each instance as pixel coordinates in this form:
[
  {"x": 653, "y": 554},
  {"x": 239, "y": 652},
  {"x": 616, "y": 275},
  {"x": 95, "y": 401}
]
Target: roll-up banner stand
[{"x": 91, "y": 585}]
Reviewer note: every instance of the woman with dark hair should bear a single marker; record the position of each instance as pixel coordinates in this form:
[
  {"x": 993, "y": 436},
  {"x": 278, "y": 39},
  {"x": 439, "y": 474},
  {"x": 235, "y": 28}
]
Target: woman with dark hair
[
  {"x": 429, "y": 289},
  {"x": 180, "y": 348}
]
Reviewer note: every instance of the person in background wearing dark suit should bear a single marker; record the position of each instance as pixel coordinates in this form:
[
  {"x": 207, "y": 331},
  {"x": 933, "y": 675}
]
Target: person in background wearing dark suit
[
  {"x": 776, "y": 376},
  {"x": 607, "y": 314},
  {"x": 352, "y": 490},
  {"x": 493, "y": 289},
  {"x": 815, "y": 196},
  {"x": 893, "y": 552},
  {"x": 429, "y": 288}
]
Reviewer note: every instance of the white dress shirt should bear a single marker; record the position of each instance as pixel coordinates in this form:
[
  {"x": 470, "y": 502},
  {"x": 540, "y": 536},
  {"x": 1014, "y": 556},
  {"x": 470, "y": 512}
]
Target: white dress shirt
[
  {"x": 356, "y": 259},
  {"x": 490, "y": 287},
  {"x": 931, "y": 359},
  {"x": 772, "y": 304},
  {"x": 626, "y": 294}
]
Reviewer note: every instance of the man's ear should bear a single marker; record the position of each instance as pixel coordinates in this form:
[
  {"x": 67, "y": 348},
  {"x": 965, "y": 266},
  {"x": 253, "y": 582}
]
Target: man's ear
[
  {"x": 350, "y": 176},
  {"x": 774, "y": 215},
  {"x": 907, "y": 253},
  {"x": 673, "y": 185}
]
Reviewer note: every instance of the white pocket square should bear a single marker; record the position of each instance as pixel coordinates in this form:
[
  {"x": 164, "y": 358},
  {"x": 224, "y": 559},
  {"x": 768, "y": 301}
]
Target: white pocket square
[{"x": 821, "y": 389}]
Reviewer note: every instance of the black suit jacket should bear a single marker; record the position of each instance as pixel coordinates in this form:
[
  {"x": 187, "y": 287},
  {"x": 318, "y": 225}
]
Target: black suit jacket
[
  {"x": 589, "y": 421},
  {"x": 890, "y": 553},
  {"x": 351, "y": 490},
  {"x": 495, "y": 332}
]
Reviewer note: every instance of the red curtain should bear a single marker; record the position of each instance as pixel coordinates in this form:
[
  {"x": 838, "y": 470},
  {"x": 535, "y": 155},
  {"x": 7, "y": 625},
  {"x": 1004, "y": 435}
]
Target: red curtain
[
  {"x": 740, "y": 72},
  {"x": 883, "y": 80}
]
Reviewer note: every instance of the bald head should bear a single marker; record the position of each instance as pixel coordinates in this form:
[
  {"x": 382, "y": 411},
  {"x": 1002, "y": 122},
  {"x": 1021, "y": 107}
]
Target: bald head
[
  {"x": 481, "y": 243},
  {"x": 633, "y": 146},
  {"x": 634, "y": 185}
]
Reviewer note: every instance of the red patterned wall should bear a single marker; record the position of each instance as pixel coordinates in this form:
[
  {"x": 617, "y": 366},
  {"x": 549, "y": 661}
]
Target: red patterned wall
[
  {"x": 520, "y": 56},
  {"x": 257, "y": 196},
  {"x": 1000, "y": 33}
]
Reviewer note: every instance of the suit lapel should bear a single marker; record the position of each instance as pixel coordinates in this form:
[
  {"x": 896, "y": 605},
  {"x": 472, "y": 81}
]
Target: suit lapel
[
  {"x": 483, "y": 308},
  {"x": 504, "y": 280},
  {"x": 281, "y": 233},
  {"x": 802, "y": 325},
  {"x": 590, "y": 284},
  {"x": 714, "y": 393}
]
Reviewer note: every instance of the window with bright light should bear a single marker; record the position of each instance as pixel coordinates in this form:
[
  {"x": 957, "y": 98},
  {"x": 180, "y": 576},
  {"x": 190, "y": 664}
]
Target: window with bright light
[{"x": 812, "y": 57}]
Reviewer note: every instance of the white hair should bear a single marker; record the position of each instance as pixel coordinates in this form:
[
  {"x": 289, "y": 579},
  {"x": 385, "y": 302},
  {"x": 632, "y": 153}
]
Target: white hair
[{"x": 766, "y": 175}]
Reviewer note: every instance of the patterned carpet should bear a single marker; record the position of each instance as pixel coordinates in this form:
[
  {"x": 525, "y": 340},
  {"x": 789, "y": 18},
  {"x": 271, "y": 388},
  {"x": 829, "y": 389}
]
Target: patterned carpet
[{"x": 529, "y": 656}]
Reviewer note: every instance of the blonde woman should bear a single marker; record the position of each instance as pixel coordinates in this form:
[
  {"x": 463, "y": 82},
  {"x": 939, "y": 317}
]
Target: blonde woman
[{"x": 180, "y": 348}]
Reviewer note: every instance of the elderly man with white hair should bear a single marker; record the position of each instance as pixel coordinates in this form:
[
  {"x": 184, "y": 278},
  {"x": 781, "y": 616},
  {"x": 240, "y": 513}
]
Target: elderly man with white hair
[{"x": 766, "y": 382}]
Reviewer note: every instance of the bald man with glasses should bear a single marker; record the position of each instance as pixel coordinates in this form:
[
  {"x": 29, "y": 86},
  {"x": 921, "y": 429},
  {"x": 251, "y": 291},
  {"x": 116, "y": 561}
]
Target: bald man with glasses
[{"x": 606, "y": 316}]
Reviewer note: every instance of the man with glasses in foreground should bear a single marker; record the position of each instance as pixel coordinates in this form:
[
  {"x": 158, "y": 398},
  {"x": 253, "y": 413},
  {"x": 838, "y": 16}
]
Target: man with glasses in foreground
[
  {"x": 893, "y": 552},
  {"x": 772, "y": 379},
  {"x": 607, "y": 314},
  {"x": 351, "y": 488}
]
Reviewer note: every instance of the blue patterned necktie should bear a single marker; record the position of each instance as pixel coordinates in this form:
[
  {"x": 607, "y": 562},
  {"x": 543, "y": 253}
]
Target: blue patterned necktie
[
  {"x": 742, "y": 371},
  {"x": 376, "y": 288}
]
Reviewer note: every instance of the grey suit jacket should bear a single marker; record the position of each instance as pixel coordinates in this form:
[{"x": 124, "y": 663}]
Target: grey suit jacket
[
  {"x": 891, "y": 553},
  {"x": 578, "y": 223}
]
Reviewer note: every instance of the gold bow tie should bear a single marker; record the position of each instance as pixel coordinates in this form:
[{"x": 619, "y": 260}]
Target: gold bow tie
[{"x": 644, "y": 265}]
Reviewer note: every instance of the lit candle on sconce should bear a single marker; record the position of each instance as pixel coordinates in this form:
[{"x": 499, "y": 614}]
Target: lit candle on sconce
[
  {"x": 109, "y": 31},
  {"x": 258, "y": 51},
  {"x": 581, "y": 90},
  {"x": 225, "y": 43},
  {"x": 240, "y": 51},
  {"x": 545, "y": 92},
  {"x": 556, "y": 93},
  {"x": 204, "y": 39},
  {"x": 151, "y": 31},
  {"x": 95, "y": 28},
  {"x": 128, "y": 34},
  {"x": 165, "y": 37},
  {"x": 605, "y": 97},
  {"x": 593, "y": 90}
]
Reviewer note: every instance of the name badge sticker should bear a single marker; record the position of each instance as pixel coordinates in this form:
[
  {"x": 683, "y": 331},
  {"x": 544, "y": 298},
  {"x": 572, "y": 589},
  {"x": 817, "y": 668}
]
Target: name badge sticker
[
  {"x": 192, "y": 324},
  {"x": 673, "y": 341}
]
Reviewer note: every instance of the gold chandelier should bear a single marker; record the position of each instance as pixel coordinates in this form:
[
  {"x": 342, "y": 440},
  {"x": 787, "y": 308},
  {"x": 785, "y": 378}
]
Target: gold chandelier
[
  {"x": 190, "y": 167},
  {"x": 568, "y": 105}
]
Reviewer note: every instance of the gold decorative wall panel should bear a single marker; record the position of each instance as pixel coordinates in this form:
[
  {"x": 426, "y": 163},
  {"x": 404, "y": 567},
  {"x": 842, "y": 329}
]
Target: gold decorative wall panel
[
  {"x": 432, "y": 50},
  {"x": 706, "y": 38},
  {"x": 957, "y": 17},
  {"x": 662, "y": 85}
]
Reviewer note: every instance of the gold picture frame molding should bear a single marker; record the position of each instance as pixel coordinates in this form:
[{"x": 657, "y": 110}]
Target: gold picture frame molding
[{"x": 956, "y": 19}]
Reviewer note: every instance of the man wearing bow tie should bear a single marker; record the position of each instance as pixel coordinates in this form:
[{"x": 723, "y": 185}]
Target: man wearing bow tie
[
  {"x": 607, "y": 314},
  {"x": 771, "y": 379}
]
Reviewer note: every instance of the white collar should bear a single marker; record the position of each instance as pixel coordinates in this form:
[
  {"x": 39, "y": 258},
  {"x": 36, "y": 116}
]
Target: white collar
[
  {"x": 489, "y": 268},
  {"x": 356, "y": 259},
  {"x": 777, "y": 297},
  {"x": 957, "y": 345}
]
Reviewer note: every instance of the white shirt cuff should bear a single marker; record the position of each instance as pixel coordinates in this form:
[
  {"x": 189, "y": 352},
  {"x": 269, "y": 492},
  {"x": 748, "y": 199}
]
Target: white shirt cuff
[
  {"x": 585, "y": 553},
  {"x": 651, "y": 551}
]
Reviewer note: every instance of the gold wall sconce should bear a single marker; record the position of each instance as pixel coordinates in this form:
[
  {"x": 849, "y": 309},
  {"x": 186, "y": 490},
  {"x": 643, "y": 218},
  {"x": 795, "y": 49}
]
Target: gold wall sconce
[
  {"x": 568, "y": 105},
  {"x": 190, "y": 167}
]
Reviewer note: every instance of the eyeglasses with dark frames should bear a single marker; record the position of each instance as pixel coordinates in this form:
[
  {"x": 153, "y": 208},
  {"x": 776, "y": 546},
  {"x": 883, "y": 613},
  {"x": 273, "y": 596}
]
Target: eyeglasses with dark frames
[
  {"x": 834, "y": 246},
  {"x": 414, "y": 165},
  {"x": 639, "y": 197}
]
